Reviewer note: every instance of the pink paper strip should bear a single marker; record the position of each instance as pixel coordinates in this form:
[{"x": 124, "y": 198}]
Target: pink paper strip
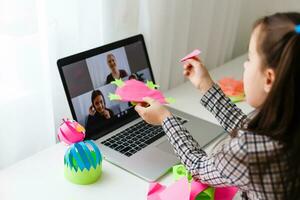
[
  {"x": 154, "y": 191},
  {"x": 177, "y": 191},
  {"x": 196, "y": 188},
  {"x": 225, "y": 193},
  {"x": 196, "y": 52},
  {"x": 180, "y": 190}
]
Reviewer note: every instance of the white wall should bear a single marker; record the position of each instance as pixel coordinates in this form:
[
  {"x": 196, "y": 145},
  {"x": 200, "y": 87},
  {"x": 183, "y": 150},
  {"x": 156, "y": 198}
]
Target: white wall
[{"x": 252, "y": 10}]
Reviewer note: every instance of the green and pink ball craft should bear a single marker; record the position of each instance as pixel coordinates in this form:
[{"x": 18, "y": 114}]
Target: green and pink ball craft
[{"x": 83, "y": 159}]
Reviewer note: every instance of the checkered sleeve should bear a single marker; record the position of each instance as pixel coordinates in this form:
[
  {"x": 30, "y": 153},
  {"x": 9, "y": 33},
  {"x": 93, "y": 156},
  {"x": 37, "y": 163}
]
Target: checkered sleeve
[
  {"x": 228, "y": 166},
  {"x": 228, "y": 114}
]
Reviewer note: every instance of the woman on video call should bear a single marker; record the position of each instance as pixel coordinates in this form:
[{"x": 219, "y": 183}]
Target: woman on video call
[
  {"x": 99, "y": 115},
  {"x": 115, "y": 72}
]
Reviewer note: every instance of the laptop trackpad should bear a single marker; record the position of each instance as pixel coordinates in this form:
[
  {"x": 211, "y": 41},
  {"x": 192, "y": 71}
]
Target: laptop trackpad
[{"x": 166, "y": 147}]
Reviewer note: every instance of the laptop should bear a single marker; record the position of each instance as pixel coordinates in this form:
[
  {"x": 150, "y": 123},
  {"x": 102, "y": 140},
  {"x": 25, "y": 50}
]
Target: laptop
[{"x": 123, "y": 137}]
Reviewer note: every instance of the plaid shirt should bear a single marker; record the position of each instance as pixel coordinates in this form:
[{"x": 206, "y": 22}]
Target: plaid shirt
[{"x": 253, "y": 163}]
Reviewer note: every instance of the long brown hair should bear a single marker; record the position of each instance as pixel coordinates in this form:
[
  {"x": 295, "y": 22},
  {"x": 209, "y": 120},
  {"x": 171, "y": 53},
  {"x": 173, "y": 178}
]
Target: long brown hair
[{"x": 279, "y": 116}]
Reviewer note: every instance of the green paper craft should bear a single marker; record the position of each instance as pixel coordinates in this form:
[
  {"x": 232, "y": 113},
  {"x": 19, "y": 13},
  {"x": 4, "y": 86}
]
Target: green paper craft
[
  {"x": 180, "y": 171},
  {"x": 84, "y": 177},
  {"x": 207, "y": 194},
  {"x": 118, "y": 82},
  {"x": 114, "y": 97},
  {"x": 186, "y": 188},
  {"x": 151, "y": 85}
]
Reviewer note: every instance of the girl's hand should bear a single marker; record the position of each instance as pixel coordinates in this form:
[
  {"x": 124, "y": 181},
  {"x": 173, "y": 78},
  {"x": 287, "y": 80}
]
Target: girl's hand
[
  {"x": 197, "y": 73},
  {"x": 92, "y": 110},
  {"x": 106, "y": 114},
  {"x": 153, "y": 112}
]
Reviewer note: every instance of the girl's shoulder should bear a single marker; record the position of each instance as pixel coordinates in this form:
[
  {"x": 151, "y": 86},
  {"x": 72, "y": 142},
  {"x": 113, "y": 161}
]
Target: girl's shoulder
[{"x": 259, "y": 143}]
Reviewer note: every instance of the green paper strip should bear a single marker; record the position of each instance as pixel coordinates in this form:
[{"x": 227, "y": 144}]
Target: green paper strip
[
  {"x": 74, "y": 154},
  {"x": 88, "y": 153},
  {"x": 151, "y": 85},
  {"x": 180, "y": 171},
  {"x": 112, "y": 97},
  {"x": 83, "y": 177},
  {"x": 235, "y": 99},
  {"x": 71, "y": 159},
  {"x": 133, "y": 103},
  {"x": 96, "y": 150},
  {"x": 207, "y": 194},
  {"x": 118, "y": 82},
  {"x": 82, "y": 155}
]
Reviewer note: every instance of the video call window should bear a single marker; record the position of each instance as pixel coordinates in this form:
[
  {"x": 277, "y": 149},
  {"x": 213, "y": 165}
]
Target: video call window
[{"x": 89, "y": 83}]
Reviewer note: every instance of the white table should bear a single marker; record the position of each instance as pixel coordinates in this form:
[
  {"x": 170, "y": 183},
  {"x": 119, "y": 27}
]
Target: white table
[{"x": 41, "y": 175}]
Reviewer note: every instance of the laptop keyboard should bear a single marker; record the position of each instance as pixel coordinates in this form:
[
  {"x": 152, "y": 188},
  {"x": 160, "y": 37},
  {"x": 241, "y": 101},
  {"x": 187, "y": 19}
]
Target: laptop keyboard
[{"x": 135, "y": 138}]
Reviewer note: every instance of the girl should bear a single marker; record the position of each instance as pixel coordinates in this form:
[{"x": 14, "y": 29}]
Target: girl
[{"x": 262, "y": 157}]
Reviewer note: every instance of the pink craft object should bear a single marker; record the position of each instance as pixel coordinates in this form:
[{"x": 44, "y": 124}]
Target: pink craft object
[
  {"x": 154, "y": 191},
  {"x": 196, "y": 188},
  {"x": 70, "y": 132},
  {"x": 231, "y": 87},
  {"x": 181, "y": 190},
  {"x": 225, "y": 193},
  {"x": 135, "y": 91},
  {"x": 195, "y": 53}
]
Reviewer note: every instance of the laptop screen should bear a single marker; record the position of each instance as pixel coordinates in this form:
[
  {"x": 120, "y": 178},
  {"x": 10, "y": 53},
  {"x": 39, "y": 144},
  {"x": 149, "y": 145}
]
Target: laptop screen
[{"x": 87, "y": 82}]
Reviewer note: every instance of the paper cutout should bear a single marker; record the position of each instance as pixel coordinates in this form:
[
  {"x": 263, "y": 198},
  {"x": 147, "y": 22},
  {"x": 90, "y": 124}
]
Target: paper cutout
[
  {"x": 81, "y": 154},
  {"x": 155, "y": 187},
  {"x": 234, "y": 89},
  {"x": 297, "y": 29},
  {"x": 231, "y": 87},
  {"x": 118, "y": 82},
  {"x": 83, "y": 163},
  {"x": 179, "y": 171},
  {"x": 134, "y": 91},
  {"x": 177, "y": 191},
  {"x": 171, "y": 192},
  {"x": 83, "y": 177},
  {"x": 206, "y": 194},
  {"x": 80, "y": 128},
  {"x": 82, "y": 160},
  {"x": 114, "y": 96},
  {"x": 195, "y": 53},
  {"x": 196, "y": 189},
  {"x": 70, "y": 132},
  {"x": 225, "y": 193},
  {"x": 151, "y": 85},
  {"x": 183, "y": 190}
]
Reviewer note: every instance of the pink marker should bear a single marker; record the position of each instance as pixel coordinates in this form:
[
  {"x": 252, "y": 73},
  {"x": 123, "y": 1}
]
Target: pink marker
[{"x": 195, "y": 53}]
